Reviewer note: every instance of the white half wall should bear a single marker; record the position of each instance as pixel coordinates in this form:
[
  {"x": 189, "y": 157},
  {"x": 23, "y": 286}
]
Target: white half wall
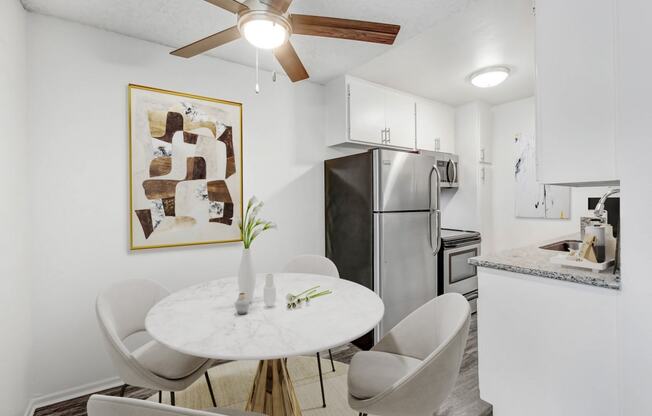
[
  {"x": 633, "y": 152},
  {"x": 78, "y": 90},
  {"x": 15, "y": 220},
  {"x": 518, "y": 117}
]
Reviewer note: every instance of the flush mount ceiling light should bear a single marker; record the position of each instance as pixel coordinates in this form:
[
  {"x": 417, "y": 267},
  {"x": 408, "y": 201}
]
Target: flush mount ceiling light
[
  {"x": 267, "y": 24},
  {"x": 264, "y": 29},
  {"x": 489, "y": 77}
]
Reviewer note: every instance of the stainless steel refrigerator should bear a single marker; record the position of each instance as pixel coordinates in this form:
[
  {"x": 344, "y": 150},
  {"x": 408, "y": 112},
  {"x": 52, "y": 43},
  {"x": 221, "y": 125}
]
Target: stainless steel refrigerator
[{"x": 383, "y": 227}]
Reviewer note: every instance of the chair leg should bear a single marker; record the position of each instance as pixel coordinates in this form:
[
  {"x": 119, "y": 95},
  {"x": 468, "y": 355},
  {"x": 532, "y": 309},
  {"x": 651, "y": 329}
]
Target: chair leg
[
  {"x": 122, "y": 390},
  {"x": 160, "y": 396},
  {"x": 321, "y": 381},
  {"x": 330, "y": 354},
  {"x": 210, "y": 388},
  {"x": 172, "y": 401}
]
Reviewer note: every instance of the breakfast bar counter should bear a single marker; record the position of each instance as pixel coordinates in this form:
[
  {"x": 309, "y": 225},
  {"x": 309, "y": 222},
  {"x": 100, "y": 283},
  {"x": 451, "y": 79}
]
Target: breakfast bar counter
[
  {"x": 547, "y": 335},
  {"x": 535, "y": 261}
]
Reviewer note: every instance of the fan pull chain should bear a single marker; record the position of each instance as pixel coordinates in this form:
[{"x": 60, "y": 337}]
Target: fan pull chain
[{"x": 257, "y": 77}]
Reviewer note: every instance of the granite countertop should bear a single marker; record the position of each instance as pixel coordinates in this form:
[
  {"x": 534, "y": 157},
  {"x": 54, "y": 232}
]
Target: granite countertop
[{"x": 535, "y": 261}]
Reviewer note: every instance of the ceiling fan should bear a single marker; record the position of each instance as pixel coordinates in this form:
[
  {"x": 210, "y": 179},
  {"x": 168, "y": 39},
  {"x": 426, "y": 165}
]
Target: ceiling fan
[{"x": 266, "y": 24}]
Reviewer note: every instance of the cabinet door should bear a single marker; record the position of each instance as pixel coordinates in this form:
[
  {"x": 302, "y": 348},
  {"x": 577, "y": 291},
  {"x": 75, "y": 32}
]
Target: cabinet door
[
  {"x": 400, "y": 119},
  {"x": 485, "y": 130},
  {"x": 435, "y": 126},
  {"x": 575, "y": 91},
  {"x": 366, "y": 112}
]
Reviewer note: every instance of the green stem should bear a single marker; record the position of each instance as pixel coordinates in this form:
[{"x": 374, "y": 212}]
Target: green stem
[
  {"x": 251, "y": 226},
  {"x": 306, "y": 291},
  {"x": 324, "y": 293},
  {"x": 243, "y": 231}
]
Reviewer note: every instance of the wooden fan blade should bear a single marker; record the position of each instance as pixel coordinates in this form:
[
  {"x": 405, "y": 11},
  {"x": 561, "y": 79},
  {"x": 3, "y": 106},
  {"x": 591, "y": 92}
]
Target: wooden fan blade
[
  {"x": 208, "y": 43},
  {"x": 289, "y": 60},
  {"x": 332, "y": 27},
  {"x": 231, "y": 5},
  {"x": 280, "y": 5}
]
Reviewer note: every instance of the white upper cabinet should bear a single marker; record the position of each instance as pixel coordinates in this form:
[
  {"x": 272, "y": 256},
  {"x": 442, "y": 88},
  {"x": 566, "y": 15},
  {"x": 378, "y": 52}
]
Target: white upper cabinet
[
  {"x": 364, "y": 113},
  {"x": 575, "y": 92},
  {"x": 435, "y": 126},
  {"x": 400, "y": 119}
]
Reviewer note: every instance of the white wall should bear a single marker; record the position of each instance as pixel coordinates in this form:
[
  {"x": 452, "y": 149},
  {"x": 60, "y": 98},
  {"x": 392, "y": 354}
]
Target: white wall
[
  {"x": 633, "y": 152},
  {"x": 15, "y": 220},
  {"x": 509, "y": 232},
  {"x": 78, "y": 94},
  {"x": 467, "y": 207},
  {"x": 459, "y": 206}
]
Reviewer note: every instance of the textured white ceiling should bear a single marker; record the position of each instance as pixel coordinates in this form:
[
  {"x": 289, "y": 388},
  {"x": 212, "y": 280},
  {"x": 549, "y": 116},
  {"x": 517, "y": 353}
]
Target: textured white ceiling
[
  {"x": 437, "y": 62},
  {"x": 440, "y": 43},
  {"x": 178, "y": 22}
]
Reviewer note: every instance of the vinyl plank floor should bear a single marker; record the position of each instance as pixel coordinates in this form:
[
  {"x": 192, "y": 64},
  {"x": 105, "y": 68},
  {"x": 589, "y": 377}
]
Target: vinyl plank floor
[{"x": 463, "y": 401}]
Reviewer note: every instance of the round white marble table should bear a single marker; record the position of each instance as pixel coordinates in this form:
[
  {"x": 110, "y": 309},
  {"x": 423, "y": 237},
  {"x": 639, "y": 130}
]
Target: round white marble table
[{"x": 201, "y": 321}]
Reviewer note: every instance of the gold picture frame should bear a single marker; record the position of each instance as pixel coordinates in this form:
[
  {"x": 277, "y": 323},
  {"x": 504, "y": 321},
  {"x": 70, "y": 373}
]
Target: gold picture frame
[{"x": 166, "y": 129}]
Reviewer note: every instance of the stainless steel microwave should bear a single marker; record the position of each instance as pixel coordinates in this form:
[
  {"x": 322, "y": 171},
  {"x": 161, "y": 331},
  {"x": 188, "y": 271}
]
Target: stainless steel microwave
[{"x": 448, "y": 167}]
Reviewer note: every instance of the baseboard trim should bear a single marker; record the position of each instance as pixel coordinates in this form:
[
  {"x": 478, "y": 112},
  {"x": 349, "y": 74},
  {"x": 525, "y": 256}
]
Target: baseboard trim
[{"x": 72, "y": 393}]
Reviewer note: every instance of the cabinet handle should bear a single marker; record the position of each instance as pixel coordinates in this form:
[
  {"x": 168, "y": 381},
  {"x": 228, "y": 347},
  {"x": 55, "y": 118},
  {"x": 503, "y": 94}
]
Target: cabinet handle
[{"x": 384, "y": 136}]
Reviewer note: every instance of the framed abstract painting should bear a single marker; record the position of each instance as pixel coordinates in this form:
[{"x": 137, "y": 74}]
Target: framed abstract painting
[
  {"x": 532, "y": 199},
  {"x": 185, "y": 169}
]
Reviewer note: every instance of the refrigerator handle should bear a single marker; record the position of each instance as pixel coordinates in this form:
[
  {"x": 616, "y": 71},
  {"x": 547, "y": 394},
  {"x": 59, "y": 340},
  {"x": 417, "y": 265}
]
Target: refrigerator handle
[{"x": 435, "y": 242}]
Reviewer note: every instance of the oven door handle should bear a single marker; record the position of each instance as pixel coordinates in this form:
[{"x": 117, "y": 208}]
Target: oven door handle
[
  {"x": 471, "y": 296},
  {"x": 464, "y": 247},
  {"x": 470, "y": 243}
]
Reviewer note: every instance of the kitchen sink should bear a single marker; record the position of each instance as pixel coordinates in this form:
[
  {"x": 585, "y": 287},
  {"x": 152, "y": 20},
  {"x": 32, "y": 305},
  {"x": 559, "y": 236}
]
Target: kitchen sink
[{"x": 564, "y": 246}]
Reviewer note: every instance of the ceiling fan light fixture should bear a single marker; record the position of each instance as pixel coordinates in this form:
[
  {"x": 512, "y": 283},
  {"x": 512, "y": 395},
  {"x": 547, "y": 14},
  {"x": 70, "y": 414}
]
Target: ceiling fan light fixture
[
  {"x": 264, "y": 30},
  {"x": 489, "y": 77},
  {"x": 267, "y": 24}
]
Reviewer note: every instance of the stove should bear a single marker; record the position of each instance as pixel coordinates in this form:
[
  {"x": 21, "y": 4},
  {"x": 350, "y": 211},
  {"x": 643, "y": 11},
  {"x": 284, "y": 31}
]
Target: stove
[{"x": 455, "y": 274}]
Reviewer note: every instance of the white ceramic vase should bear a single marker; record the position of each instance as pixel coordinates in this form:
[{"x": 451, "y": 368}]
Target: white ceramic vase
[
  {"x": 246, "y": 275},
  {"x": 269, "y": 292}
]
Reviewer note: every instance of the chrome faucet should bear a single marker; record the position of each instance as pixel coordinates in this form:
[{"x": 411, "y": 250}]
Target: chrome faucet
[{"x": 599, "y": 211}]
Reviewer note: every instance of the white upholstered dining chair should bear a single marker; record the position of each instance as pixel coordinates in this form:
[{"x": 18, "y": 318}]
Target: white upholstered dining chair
[
  {"x": 413, "y": 368},
  {"x": 99, "y": 405},
  {"x": 121, "y": 311},
  {"x": 313, "y": 264}
]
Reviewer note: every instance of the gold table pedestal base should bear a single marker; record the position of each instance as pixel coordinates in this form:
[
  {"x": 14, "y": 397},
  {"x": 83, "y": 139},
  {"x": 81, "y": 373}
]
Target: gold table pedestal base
[{"x": 273, "y": 392}]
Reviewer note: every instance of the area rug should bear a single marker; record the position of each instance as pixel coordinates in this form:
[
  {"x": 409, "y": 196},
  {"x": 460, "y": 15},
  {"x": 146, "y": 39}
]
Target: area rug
[{"x": 232, "y": 384}]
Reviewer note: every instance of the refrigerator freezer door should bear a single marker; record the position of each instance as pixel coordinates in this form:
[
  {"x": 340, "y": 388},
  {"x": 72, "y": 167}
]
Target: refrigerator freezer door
[
  {"x": 406, "y": 270},
  {"x": 401, "y": 180}
]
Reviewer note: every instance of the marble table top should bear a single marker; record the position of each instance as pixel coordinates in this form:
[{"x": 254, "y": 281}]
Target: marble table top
[{"x": 201, "y": 320}]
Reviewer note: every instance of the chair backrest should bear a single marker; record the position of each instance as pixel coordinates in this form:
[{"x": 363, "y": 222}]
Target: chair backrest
[
  {"x": 121, "y": 311},
  {"x": 99, "y": 405},
  {"x": 122, "y": 307},
  {"x": 313, "y": 264},
  {"x": 436, "y": 333}
]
